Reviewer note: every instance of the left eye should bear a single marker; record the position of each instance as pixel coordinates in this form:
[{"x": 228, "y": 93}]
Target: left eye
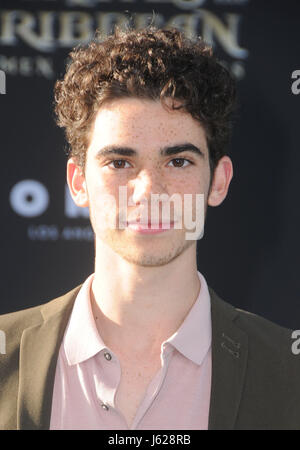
[
  {"x": 119, "y": 164},
  {"x": 181, "y": 160}
]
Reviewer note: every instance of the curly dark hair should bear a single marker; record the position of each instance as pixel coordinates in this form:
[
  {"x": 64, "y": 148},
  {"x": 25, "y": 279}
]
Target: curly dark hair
[{"x": 148, "y": 63}]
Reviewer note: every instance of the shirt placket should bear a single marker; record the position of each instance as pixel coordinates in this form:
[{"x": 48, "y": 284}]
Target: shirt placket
[
  {"x": 106, "y": 381},
  {"x": 153, "y": 388}
]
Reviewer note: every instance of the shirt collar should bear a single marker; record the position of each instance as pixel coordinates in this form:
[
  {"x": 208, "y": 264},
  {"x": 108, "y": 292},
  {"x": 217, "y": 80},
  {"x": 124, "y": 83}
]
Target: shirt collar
[
  {"x": 82, "y": 340},
  {"x": 192, "y": 339}
]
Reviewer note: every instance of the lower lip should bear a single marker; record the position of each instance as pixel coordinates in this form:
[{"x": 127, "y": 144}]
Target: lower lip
[{"x": 143, "y": 230}]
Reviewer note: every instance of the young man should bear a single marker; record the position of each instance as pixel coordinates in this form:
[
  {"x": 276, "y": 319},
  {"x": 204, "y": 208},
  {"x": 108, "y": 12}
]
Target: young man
[{"x": 144, "y": 343}]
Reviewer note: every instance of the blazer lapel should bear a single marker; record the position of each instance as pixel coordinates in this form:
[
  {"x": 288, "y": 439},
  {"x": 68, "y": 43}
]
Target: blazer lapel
[
  {"x": 229, "y": 359},
  {"x": 39, "y": 349}
]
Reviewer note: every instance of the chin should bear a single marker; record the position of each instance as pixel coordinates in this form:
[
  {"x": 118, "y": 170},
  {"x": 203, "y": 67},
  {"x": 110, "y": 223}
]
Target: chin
[
  {"x": 150, "y": 255},
  {"x": 148, "y": 260}
]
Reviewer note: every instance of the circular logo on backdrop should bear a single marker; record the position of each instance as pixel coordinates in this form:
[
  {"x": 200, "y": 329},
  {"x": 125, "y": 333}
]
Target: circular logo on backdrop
[{"x": 31, "y": 199}]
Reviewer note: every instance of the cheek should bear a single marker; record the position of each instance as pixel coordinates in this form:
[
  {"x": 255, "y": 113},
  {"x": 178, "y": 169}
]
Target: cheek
[
  {"x": 98, "y": 184},
  {"x": 194, "y": 195},
  {"x": 192, "y": 186}
]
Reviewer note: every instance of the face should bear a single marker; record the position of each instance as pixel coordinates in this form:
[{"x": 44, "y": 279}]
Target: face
[{"x": 145, "y": 149}]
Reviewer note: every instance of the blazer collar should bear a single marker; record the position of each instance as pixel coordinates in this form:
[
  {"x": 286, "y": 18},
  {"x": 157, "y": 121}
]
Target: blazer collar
[
  {"x": 229, "y": 361},
  {"x": 40, "y": 345},
  {"x": 39, "y": 349}
]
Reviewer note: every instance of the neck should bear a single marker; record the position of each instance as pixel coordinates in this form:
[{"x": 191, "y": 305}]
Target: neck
[{"x": 138, "y": 307}]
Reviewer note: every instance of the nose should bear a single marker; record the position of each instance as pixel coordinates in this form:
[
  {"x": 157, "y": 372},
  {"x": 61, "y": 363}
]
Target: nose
[
  {"x": 149, "y": 206},
  {"x": 147, "y": 183}
]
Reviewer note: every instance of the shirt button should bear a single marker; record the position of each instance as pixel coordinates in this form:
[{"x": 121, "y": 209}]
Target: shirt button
[
  {"x": 105, "y": 407},
  {"x": 107, "y": 356}
]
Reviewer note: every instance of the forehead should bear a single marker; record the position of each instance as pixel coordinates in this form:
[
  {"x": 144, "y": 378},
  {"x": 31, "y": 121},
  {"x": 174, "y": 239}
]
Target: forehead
[{"x": 136, "y": 120}]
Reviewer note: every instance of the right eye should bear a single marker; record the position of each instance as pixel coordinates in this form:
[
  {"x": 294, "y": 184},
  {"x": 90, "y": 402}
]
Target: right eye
[{"x": 119, "y": 164}]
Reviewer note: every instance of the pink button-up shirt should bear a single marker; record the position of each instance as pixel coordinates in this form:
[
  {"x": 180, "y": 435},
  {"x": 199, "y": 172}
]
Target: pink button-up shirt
[{"x": 88, "y": 374}]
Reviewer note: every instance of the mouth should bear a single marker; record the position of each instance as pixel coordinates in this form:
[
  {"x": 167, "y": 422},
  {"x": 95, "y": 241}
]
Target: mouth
[{"x": 150, "y": 227}]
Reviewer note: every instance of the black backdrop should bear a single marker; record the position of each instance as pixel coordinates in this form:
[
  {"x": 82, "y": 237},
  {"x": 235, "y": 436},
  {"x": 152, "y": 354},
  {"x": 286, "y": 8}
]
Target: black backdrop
[{"x": 250, "y": 250}]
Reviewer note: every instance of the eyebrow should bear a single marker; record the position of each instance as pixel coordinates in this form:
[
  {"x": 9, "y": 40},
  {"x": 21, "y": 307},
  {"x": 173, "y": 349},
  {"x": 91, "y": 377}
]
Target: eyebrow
[{"x": 165, "y": 151}]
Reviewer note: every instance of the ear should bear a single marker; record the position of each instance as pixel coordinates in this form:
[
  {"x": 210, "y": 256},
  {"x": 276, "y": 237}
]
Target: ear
[
  {"x": 221, "y": 180},
  {"x": 77, "y": 184}
]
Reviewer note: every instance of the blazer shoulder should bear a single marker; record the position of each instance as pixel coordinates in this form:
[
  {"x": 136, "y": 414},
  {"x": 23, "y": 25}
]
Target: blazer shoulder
[
  {"x": 31, "y": 337},
  {"x": 13, "y": 324},
  {"x": 24, "y": 318},
  {"x": 34, "y": 311},
  {"x": 260, "y": 330}
]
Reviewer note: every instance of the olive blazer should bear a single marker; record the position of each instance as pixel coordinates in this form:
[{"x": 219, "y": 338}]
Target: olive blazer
[{"x": 255, "y": 375}]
